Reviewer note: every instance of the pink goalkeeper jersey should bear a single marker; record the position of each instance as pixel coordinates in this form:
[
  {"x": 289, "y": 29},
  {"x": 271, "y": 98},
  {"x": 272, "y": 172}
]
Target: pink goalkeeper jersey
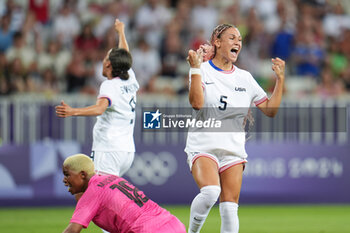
[{"x": 117, "y": 206}]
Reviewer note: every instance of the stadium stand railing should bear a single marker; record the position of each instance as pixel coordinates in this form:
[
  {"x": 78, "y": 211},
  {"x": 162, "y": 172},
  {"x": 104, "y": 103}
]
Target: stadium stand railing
[{"x": 31, "y": 118}]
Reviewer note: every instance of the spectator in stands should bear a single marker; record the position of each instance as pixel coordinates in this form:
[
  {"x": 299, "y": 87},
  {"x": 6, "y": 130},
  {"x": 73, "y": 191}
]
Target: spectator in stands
[
  {"x": 109, "y": 39},
  {"x": 66, "y": 26},
  {"x": 232, "y": 14},
  {"x": 98, "y": 77},
  {"x": 335, "y": 21},
  {"x": 4, "y": 82},
  {"x": 345, "y": 45},
  {"x": 112, "y": 10},
  {"x": 17, "y": 76},
  {"x": 4, "y": 87},
  {"x": 197, "y": 40},
  {"x": 77, "y": 73},
  {"x": 6, "y": 35},
  {"x": 150, "y": 21},
  {"x": 255, "y": 49},
  {"x": 345, "y": 77},
  {"x": 146, "y": 64},
  {"x": 41, "y": 10},
  {"x": 283, "y": 41},
  {"x": 21, "y": 51},
  {"x": 204, "y": 17},
  {"x": 329, "y": 87},
  {"x": 49, "y": 83},
  {"x": 86, "y": 42},
  {"x": 181, "y": 19},
  {"x": 337, "y": 59},
  {"x": 32, "y": 31},
  {"x": 56, "y": 58},
  {"x": 16, "y": 13},
  {"x": 171, "y": 51},
  {"x": 308, "y": 56},
  {"x": 266, "y": 11}
]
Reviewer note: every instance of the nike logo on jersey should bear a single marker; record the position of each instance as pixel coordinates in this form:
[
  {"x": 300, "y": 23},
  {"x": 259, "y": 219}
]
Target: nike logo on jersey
[
  {"x": 208, "y": 83},
  {"x": 240, "y": 89}
]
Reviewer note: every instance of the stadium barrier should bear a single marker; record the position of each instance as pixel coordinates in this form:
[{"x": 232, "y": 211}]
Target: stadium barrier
[
  {"x": 28, "y": 119},
  {"x": 283, "y": 167}
]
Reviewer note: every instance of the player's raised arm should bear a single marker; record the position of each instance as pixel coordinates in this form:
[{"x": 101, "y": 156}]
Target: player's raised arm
[
  {"x": 196, "y": 95},
  {"x": 119, "y": 27},
  {"x": 73, "y": 228},
  {"x": 64, "y": 110},
  {"x": 270, "y": 107}
]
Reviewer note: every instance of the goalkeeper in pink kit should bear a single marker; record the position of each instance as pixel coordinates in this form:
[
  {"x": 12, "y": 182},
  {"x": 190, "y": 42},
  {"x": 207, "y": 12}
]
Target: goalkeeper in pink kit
[{"x": 112, "y": 203}]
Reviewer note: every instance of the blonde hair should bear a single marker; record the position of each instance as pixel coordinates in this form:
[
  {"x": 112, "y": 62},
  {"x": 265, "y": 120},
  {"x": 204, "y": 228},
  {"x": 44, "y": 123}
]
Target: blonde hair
[
  {"x": 208, "y": 51},
  {"x": 80, "y": 162}
]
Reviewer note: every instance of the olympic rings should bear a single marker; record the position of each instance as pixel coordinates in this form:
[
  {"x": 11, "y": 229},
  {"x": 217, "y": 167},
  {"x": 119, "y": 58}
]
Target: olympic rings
[{"x": 149, "y": 167}]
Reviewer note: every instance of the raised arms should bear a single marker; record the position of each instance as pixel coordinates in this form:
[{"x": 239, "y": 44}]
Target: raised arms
[
  {"x": 119, "y": 27},
  {"x": 196, "y": 95}
]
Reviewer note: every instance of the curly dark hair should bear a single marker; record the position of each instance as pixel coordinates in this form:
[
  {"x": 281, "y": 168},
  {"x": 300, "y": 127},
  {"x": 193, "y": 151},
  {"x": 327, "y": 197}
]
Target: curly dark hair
[{"x": 121, "y": 62}]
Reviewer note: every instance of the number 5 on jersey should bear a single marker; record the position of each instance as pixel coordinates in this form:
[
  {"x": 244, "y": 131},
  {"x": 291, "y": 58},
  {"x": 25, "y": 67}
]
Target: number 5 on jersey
[
  {"x": 132, "y": 103},
  {"x": 224, "y": 103}
]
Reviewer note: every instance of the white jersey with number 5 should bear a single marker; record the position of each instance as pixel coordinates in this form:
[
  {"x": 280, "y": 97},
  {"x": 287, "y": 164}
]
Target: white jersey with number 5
[
  {"x": 114, "y": 129},
  {"x": 230, "y": 94}
]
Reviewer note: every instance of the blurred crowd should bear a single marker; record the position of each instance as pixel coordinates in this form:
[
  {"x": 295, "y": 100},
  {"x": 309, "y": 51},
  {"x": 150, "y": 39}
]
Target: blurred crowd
[{"x": 57, "y": 46}]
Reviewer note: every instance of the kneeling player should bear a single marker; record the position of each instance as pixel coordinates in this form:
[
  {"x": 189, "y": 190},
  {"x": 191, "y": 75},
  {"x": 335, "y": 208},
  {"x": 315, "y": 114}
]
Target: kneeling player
[{"x": 112, "y": 203}]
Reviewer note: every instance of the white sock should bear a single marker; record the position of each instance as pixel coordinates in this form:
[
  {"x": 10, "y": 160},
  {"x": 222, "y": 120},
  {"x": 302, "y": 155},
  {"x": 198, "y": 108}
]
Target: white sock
[
  {"x": 104, "y": 231},
  {"x": 201, "y": 206},
  {"x": 229, "y": 217}
]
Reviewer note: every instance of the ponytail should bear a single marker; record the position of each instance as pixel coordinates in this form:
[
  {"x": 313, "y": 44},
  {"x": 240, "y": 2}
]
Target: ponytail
[
  {"x": 121, "y": 62},
  {"x": 207, "y": 51},
  {"x": 123, "y": 74}
]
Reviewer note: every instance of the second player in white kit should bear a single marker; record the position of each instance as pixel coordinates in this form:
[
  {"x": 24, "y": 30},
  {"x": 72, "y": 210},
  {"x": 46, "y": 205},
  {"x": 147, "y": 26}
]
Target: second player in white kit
[
  {"x": 113, "y": 134},
  {"x": 113, "y": 145}
]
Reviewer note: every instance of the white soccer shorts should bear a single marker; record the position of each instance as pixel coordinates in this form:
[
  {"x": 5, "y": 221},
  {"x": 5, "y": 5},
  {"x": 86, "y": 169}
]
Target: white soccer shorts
[
  {"x": 222, "y": 161},
  {"x": 112, "y": 163}
]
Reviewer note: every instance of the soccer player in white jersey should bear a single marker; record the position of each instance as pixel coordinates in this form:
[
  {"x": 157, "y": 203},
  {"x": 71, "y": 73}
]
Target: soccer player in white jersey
[
  {"x": 217, "y": 159},
  {"x": 113, "y": 142}
]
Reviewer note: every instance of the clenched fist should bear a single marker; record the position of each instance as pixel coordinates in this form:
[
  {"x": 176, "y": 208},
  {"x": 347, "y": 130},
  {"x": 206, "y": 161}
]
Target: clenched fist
[
  {"x": 278, "y": 66},
  {"x": 194, "y": 59}
]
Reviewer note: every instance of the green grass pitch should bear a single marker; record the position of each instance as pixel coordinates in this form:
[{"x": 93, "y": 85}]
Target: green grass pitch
[{"x": 253, "y": 219}]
